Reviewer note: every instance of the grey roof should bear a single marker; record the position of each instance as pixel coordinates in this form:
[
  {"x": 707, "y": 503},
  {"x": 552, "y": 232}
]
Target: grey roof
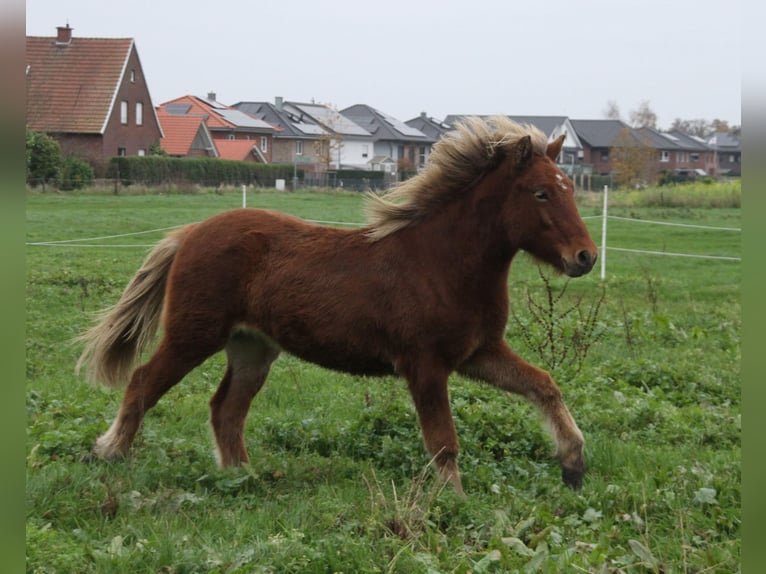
[
  {"x": 431, "y": 127},
  {"x": 383, "y": 126},
  {"x": 292, "y": 126},
  {"x": 330, "y": 119},
  {"x": 688, "y": 142},
  {"x": 242, "y": 120},
  {"x": 600, "y": 133},
  {"x": 546, "y": 124},
  {"x": 724, "y": 140},
  {"x": 659, "y": 140}
]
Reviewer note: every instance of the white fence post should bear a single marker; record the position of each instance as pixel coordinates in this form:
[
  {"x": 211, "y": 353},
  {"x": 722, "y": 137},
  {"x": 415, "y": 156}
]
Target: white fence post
[
  {"x": 603, "y": 234},
  {"x": 244, "y": 195}
]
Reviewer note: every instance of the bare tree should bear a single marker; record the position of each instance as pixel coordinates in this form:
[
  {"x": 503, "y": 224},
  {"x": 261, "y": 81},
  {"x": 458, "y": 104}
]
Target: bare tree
[
  {"x": 697, "y": 127},
  {"x": 330, "y": 142},
  {"x": 644, "y": 116},
  {"x": 612, "y": 110},
  {"x": 633, "y": 159}
]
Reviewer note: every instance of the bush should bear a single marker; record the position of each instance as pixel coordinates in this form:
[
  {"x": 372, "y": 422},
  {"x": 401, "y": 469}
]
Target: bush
[
  {"x": 43, "y": 155},
  {"x": 75, "y": 174}
]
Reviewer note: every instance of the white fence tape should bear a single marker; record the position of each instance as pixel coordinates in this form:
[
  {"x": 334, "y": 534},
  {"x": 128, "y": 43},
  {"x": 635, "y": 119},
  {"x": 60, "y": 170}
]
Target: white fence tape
[{"x": 84, "y": 242}]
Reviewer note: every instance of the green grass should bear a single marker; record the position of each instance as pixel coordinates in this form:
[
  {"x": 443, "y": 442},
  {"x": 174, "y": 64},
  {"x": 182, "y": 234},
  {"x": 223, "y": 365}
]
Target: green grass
[{"x": 338, "y": 479}]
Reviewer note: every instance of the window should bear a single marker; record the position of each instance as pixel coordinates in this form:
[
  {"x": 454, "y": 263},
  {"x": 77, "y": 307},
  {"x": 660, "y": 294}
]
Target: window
[
  {"x": 132, "y": 76},
  {"x": 139, "y": 113},
  {"x": 141, "y": 152},
  {"x": 695, "y": 157},
  {"x": 122, "y": 152},
  {"x": 604, "y": 155},
  {"x": 264, "y": 144},
  {"x": 422, "y": 156},
  {"x": 664, "y": 155},
  {"x": 124, "y": 112},
  {"x": 365, "y": 150},
  {"x": 299, "y": 148}
]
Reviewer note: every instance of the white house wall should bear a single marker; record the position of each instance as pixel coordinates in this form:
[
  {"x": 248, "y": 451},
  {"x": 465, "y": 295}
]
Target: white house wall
[{"x": 355, "y": 153}]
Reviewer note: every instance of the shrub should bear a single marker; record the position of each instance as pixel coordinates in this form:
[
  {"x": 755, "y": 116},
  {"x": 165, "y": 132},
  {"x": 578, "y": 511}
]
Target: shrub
[
  {"x": 75, "y": 174},
  {"x": 43, "y": 155}
]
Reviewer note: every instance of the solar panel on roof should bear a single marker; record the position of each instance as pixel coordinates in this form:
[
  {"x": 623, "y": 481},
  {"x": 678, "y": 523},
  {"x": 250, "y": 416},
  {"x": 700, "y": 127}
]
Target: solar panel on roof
[
  {"x": 401, "y": 127},
  {"x": 178, "y": 109}
]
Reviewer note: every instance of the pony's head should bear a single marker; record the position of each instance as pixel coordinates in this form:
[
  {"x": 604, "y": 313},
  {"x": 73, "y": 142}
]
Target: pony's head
[
  {"x": 510, "y": 169},
  {"x": 540, "y": 215}
]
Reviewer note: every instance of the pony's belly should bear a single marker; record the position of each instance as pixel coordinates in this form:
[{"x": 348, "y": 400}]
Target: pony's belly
[{"x": 336, "y": 361}]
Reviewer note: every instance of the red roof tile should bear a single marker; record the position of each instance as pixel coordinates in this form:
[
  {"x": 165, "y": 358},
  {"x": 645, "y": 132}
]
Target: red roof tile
[
  {"x": 179, "y": 131},
  {"x": 71, "y": 88},
  {"x": 237, "y": 150}
]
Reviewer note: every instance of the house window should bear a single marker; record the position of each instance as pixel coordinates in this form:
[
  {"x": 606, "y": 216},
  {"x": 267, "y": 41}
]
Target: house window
[
  {"x": 732, "y": 158},
  {"x": 365, "y": 150},
  {"x": 264, "y": 144},
  {"x": 695, "y": 157},
  {"x": 422, "y": 156},
  {"x": 664, "y": 155},
  {"x": 141, "y": 152},
  {"x": 124, "y": 112},
  {"x": 139, "y": 113},
  {"x": 299, "y": 148},
  {"x": 132, "y": 76},
  {"x": 604, "y": 155},
  {"x": 231, "y": 136},
  {"x": 122, "y": 152}
]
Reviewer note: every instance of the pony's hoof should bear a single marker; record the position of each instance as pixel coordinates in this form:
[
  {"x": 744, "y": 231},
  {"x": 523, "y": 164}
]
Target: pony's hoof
[{"x": 572, "y": 478}]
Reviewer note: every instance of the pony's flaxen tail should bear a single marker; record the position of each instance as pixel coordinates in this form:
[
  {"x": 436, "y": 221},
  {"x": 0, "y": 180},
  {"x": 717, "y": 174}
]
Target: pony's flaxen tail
[{"x": 114, "y": 344}]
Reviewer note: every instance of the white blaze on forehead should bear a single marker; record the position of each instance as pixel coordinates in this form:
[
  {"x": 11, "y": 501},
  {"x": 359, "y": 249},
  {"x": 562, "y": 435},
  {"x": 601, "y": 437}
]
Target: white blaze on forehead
[{"x": 560, "y": 179}]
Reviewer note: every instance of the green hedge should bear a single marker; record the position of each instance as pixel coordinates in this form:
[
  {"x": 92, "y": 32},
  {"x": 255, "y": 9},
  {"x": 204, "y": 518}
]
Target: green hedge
[{"x": 159, "y": 170}]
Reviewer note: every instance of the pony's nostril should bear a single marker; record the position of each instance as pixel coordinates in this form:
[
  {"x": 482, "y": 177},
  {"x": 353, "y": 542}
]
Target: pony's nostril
[{"x": 585, "y": 258}]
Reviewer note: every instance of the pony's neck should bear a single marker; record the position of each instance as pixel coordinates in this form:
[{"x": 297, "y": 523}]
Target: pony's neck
[{"x": 467, "y": 235}]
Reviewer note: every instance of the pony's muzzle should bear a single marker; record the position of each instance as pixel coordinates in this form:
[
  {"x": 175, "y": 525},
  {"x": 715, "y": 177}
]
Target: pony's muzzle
[{"x": 581, "y": 264}]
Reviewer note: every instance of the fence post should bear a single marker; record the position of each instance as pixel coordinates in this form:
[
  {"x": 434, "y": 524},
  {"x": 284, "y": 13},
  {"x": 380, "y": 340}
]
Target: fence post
[
  {"x": 603, "y": 234},
  {"x": 244, "y": 195}
]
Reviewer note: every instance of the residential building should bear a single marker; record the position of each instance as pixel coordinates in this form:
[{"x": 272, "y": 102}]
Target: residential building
[
  {"x": 396, "y": 145},
  {"x": 727, "y": 150},
  {"x": 298, "y": 140},
  {"x": 90, "y": 94},
  {"x": 227, "y": 124}
]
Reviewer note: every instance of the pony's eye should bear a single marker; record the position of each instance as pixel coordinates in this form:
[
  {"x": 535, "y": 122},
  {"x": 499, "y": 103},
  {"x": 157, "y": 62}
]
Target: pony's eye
[{"x": 541, "y": 195}]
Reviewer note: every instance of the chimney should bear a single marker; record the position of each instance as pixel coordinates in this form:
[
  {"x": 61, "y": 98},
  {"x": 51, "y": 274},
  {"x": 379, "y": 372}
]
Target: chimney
[
  {"x": 278, "y": 101},
  {"x": 64, "y": 35},
  {"x": 211, "y": 96}
]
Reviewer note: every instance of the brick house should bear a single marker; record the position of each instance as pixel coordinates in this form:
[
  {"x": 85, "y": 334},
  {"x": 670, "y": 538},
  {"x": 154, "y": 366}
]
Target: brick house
[
  {"x": 235, "y": 134},
  {"x": 90, "y": 94}
]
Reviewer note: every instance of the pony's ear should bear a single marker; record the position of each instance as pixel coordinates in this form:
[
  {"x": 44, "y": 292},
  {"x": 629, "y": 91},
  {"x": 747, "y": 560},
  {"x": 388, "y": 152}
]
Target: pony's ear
[
  {"x": 554, "y": 148},
  {"x": 523, "y": 150}
]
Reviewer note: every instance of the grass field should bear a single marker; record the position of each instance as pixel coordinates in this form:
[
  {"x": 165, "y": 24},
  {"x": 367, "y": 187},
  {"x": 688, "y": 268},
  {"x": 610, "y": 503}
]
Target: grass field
[{"x": 338, "y": 480}]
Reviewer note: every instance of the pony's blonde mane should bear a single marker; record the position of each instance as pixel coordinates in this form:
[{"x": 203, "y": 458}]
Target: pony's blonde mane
[{"x": 456, "y": 161}]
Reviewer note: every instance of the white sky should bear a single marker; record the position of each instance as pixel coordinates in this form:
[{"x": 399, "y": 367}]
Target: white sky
[{"x": 438, "y": 56}]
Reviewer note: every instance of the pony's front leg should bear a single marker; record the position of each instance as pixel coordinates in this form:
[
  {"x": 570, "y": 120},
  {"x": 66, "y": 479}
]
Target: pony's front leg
[
  {"x": 501, "y": 367},
  {"x": 429, "y": 393}
]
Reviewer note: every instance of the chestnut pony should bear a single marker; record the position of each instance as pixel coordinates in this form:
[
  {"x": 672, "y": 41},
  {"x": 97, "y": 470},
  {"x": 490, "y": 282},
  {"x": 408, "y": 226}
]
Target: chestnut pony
[{"x": 420, "y": 292}]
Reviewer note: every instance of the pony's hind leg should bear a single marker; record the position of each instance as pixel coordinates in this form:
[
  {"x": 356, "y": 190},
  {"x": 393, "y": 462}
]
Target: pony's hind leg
[
  {"x": 147, "y": 385},
  {"x": 249, "y": 356},
  {"x": 501, "y": 367}
]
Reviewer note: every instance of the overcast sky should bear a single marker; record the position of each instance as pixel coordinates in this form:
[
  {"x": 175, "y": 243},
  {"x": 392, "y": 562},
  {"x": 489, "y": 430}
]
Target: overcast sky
[{"x": 442, "y": 57}]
